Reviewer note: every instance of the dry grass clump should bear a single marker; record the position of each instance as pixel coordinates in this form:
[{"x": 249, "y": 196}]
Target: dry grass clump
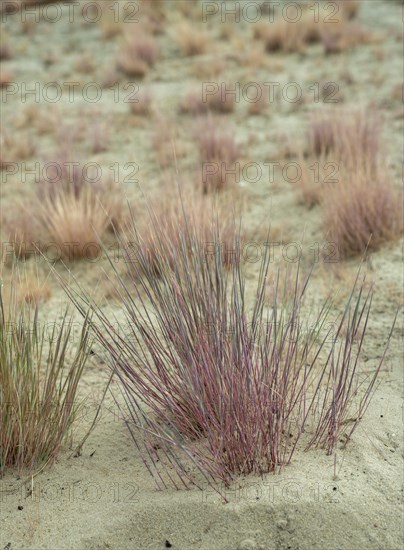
[
  {"x": 315, "y": 175},
  {"x": 98, "y": 134},
  {"x": 347, "y": 173},
  {"x": 75, "y": 223},
  {"x": 76, "y": 207},
  {"x": 224, "y": 388},
  {"x": 137, "y": 54},
  {"x": 15, "y": 147},
  {"x": 193, "y": 103},
  {"x": 259, "y": 105},
  {"x": 349, "y": 137},
  {"x": 6, "y": 77},
  {"x": 219, "y": 102},
  {"x": 152, "y": 15},
  {"x": 362, "y": 211},
  {"x": 218, "y": 153},
  {"x": 191, "y": 40},
  {"x": 32, "y": 289},
  {"x": 28, "y": 283},
  {"x": 338, "y": 35},
  {"x": 85, "y": 64},
  {"x": 5, "y": 50},
  {"x": 22, "y": 233},
  {"x": 39, "y": 378},
  {"x": 67, "y": 173},
  {"x": 111, "y": 25},
  {"x": 143, "y": 103},
  {"x": 348, "y": 8},
  {"x": 284, "y": 36}
]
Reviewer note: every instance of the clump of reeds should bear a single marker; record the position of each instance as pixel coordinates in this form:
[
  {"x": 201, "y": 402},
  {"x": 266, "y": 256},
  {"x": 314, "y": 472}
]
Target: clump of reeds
[{"x": 39, "y": 377}]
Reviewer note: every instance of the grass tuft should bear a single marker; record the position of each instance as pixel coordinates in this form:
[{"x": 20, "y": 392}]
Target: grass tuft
[
  {"x": 39, "y": 378},
  {"x": 218, "y": 153},
  {"x": 213, "y": 386}
]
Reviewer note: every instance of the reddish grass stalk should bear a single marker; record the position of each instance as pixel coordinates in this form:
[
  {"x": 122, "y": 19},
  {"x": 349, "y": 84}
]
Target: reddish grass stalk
[{"x": 213, "y": 384}]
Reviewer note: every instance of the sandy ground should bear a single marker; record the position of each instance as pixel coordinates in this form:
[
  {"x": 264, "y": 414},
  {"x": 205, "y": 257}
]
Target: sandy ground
[{"x": 105, "y": 498}]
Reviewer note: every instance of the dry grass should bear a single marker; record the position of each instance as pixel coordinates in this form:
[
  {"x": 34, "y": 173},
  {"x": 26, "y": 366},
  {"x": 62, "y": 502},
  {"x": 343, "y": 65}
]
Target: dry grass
[
  {"x": 85, "y": 64},
  {"x": 39, "y": 377},
  {"x": 284, "y": 36},
  {"x": 166, "y": 142},
  {"x": 5, "y": 50},
  {"x": 313, "y": 178},
  {"x": 65, "y": 176},
  {"x": 98, "y": 133},
  {"x": 27, "y": 284},
  {"x": 338, "y": 37},
  {"x": 137, "y": 54},
  {"x": 111, "y": 26},
  {"x": 218, "y": 153},
  {"x": 362, "y": 211},
  {"x": 15, "y": 147},
  {"x": 196, "y": 103},
  {"x": 347, "y": 173},
  {"x": 76, "y": 223},
  {"x": 349, "y": 137},
  {"x": 143, "y": 103},
  {"x": 259, "y": 105},
  {"x": 22, "y": 232},
  {"x": 6, "y": 77},
  {"x": 348, "y": 8},
  {"x": 190, "y": 40}
]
